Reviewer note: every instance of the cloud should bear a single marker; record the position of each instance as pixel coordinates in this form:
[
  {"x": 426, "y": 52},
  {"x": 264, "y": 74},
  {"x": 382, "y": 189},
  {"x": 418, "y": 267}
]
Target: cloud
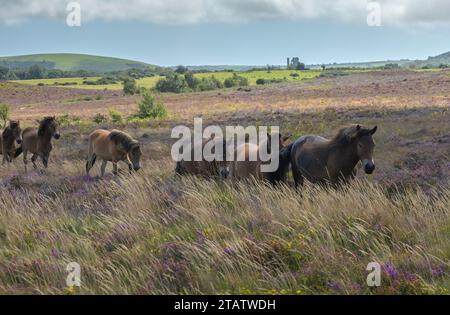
[{"x": 393, "y": 12}]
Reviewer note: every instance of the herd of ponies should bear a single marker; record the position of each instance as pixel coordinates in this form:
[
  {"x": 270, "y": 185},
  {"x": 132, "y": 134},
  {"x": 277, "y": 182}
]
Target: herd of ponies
[{"x": 311, "y": 157}]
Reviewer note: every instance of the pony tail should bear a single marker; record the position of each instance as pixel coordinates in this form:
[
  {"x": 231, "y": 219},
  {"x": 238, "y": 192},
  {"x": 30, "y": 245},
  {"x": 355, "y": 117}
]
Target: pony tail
[
  {"x": 18, "y": 152},
  {"x": 285, "y": 153}
]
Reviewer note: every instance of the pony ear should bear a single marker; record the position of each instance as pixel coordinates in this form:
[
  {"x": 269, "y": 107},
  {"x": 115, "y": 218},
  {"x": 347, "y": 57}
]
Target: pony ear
[
  {"x": 374, "y": 130},
  {"x": 358, "y": 127},
  {"x": 286, "y": 137}
]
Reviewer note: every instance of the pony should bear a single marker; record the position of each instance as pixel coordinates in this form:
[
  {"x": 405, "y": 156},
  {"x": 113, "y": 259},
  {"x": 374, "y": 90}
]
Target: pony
[
  {"x": 247, "y": 169},
  {"x": 39, "y": 141},
  {"x": 205, "y": 168},
  {"x": 7, "y": 147},
  {"x": 113, "y": 146},
  {"x": 324, "y": 161}
]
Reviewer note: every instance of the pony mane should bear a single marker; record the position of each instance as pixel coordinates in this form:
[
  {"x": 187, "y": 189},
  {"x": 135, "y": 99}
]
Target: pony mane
[
  {"x": 44, "y": 124},
  {"x": 9, "y": 130},
  {"x": 344, "y": 134},
  {"x": 122, "y": 138}
]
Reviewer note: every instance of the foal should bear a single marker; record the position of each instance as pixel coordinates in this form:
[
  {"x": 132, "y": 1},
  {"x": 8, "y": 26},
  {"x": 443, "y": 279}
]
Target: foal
[
  {"x": 113, "y": 146},
  {"x": 38, "y": 141},
  {"x": 11, "y": 133}
]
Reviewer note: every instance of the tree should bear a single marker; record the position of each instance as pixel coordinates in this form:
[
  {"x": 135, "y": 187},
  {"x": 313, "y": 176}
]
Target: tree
[
  {"x": 3, "y": 72},
  {"x": 181, "y": 70},
  {"x": 191, "y": 81},
  {"x": 4, "y": 113},
  {"x": 150, "y": 108},
  {"x": 129, "y": 86},
  {"x": 36, "y": 72}
]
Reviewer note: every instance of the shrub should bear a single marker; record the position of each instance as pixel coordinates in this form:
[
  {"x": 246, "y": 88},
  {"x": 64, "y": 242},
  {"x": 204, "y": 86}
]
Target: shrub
[
  {"x": 100, "y": 118},
  {"x": 260, "y": 81},
  {"x": 149, "y": 107},
  {"x": 173, "y": 83},
  {"x": 4, "y": 113},
  {"x": 116, "y": 117},
  {"x": 209, "y": 84},
  {"x": 191, "y": 81},
  {"x": 235, "y": 80},
  {"x": 129, "y": 86}
]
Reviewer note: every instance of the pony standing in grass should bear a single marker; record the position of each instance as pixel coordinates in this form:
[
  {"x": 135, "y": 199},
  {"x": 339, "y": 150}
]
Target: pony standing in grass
[
  {"x": 7, "y": 147},
  {"x": 324, "y": 161},
  {"x": 206, "y": 168},
  {"x": 252, "y": 169},
  {"x": 113, "y": 146},
  {"x": 39, "y": 141}
]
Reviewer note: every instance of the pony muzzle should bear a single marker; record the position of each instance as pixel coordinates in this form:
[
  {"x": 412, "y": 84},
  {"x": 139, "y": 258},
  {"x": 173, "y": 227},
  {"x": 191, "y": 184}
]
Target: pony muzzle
[
  {"x": 369, "y": 166},
  {"x": 19, "y": 141},
  {"x": 56, "y": 136},
  {"x": 224, "y": 172}
]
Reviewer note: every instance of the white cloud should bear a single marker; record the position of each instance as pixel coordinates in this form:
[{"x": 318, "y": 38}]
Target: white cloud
[{"x": 408, "y": 13}]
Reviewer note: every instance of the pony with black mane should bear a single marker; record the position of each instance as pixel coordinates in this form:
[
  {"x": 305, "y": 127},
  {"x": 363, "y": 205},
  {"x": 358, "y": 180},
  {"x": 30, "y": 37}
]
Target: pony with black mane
[
  {"x": 324, "y": 161},
  {"x": 39, "y": 141},
  {"x": 113, "y": 146},
  {"x": 11, "y": 134}
]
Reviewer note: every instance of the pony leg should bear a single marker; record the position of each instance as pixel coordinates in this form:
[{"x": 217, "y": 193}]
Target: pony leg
[
  {"x": 115, "y": 168},
  {"x": 33, "y": 160},
  {"x": 45, "y": 160},
  {"x": 25, "y": 160},
  {"x": 298, "y": 178},
  {"x": 103, "y": 168}
]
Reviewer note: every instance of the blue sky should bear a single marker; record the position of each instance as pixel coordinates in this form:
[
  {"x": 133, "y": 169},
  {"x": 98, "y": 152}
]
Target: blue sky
[{"x": 207, "y": 41}]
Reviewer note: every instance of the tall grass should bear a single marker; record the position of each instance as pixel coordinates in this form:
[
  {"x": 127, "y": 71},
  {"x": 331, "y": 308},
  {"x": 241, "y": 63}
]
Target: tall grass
[{"x": 152, "y": 233}]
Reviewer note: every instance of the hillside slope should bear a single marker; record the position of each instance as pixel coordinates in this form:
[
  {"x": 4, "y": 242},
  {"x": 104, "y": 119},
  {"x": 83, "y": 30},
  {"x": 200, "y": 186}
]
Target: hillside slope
[{"x": 73, "y": 62}]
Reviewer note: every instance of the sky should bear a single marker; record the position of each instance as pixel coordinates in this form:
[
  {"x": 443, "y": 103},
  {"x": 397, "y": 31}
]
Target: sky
[{"x": 234, "y": 32}]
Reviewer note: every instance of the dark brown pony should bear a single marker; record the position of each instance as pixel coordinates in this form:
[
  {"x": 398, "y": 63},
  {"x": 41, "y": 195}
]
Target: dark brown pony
[
  {"x": 7, "y": 147},
  {"x": 204, "y": 168},
  {"x": 332, "y": 161},
  {"x": 38, "y": 141}
]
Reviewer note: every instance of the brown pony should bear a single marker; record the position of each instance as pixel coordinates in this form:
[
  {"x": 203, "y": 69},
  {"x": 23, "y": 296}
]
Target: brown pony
[
  {"x": 332, "y": 161},
  {"x": 7, "y": 146},
  {"x": 248, "y": 169},
  {"x": 113, "y": 146},
  {"x": 38, "y": 141},
  {"x": 204, "y": 168}
]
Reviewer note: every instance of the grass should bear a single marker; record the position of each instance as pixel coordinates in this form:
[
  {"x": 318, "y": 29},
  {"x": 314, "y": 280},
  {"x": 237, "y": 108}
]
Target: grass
[
  {"x": 150, "y": 82},
  {"x": 154, "y": 234}
]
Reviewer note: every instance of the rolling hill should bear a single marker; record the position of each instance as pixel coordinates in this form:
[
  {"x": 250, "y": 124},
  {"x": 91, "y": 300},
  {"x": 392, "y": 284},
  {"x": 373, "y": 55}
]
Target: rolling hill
[{"x": 73, "y": 62}]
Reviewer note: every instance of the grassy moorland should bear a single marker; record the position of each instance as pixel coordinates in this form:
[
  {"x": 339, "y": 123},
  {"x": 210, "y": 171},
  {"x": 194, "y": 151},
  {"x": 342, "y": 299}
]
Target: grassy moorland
[
  {"x": 150, "y": 82},
  {"x": 152, "y": 233}
]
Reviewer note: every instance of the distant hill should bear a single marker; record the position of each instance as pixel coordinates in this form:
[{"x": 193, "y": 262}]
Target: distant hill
[
  {"x": 73, "y": 62},
  {"x": 432, "y": 62}
]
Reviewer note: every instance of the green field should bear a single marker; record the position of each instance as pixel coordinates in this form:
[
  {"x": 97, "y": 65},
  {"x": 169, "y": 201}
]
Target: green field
[
  {"x": 73, "y": 62},
  {"x": 151, "y": 81}
]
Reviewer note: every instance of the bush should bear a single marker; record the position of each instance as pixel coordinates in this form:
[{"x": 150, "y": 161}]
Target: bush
[
  {"x": 4, "y": 113},
  {"x": 116, "y": 117},
  {"x": 129, "y": 86},
  {"x": 191, "y": 81},
  {"x": 100, "y": 118},
  {"x": 235, "y": 80},
  {"x": 149, "y": 107},
  {"x": 260, "y": 81},
  {"x": 209, "y": 84},
  {"x": 174, "y": 84}
]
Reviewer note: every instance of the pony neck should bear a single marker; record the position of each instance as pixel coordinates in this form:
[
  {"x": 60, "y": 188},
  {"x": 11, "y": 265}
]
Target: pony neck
[
  {"x": 47, "y": 136},
  {"x": 347, "y": 157}
]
